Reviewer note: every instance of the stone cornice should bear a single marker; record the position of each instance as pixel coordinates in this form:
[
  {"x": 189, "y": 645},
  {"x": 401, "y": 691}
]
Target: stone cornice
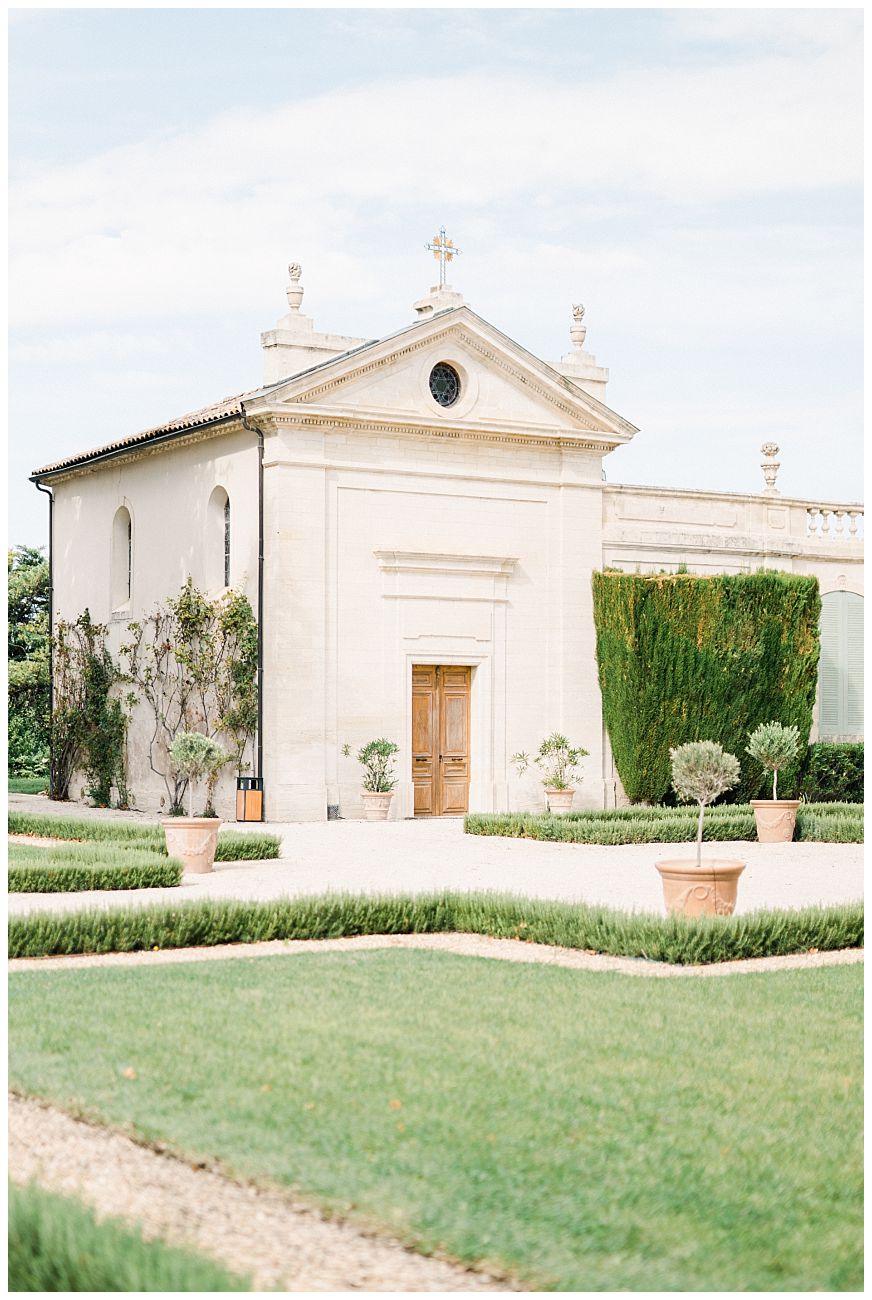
[
  {"x": 329, "y": 419},
  {"x": 646, "y": 489},
  {"x": 767, "y": 545}
]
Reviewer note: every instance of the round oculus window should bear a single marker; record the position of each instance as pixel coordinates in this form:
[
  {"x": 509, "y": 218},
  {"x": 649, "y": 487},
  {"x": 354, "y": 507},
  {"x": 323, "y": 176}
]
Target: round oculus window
[{"x": 444, "y": 384}]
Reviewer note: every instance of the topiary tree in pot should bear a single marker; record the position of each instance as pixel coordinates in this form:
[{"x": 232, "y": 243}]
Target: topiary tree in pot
[
  {"x": 774, "y": 747},
  {"x": 377, "y": 760},
  {"x": 558, "y": 761},
  {"x": 701, "y": 771},
  {"x": 194, "y": 757}
]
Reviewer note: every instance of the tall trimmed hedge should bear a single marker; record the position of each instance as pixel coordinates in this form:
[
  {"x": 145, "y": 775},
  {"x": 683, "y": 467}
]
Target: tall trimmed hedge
[{"x": 686, "y": 658}]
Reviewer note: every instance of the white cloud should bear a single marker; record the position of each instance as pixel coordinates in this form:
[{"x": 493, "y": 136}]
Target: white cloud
[
  {"x": 202, "y": 219},
  {"x": 787, "y": 29}
]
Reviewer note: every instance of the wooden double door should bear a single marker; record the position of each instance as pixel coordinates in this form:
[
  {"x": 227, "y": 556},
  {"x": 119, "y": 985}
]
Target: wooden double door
[{"x": 440, "y": 740}]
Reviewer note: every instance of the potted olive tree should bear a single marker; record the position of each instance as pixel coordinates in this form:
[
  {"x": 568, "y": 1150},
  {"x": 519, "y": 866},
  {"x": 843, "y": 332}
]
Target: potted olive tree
[
  {"x": 701, "y": 771},
  {"x": 377, "y": 760},
  {"x": 193, "y": 839},
  {"x": 558, "y": 761},
  {"x": 774, "y": 746}
]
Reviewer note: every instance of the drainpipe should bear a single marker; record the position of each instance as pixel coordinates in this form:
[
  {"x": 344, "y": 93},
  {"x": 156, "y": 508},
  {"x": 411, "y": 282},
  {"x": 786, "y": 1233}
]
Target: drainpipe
[
  {"x": 252, "y": 428},
  {"x": 48, "y": 492}
]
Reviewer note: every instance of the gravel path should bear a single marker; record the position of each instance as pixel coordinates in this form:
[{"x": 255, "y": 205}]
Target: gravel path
[
  {"x": 421, "y": 856},
  {"x": 465, "y": 945},
  {"x": 263, "y": 1233}
]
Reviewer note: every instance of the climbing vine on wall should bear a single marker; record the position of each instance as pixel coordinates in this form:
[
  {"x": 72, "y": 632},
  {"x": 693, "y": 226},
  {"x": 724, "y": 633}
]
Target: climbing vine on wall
[
  {"x": 686, "y": 658},
  {"x": 194, "y": 661},
  {"x": 89, "y": 718}
]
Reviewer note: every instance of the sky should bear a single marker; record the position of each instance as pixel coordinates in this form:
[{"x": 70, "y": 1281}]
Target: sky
[{"x": 692, "y": 175}]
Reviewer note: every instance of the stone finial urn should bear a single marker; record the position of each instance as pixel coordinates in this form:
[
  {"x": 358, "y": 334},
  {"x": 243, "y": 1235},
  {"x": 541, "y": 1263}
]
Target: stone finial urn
[{"x": 193, "y": 841}]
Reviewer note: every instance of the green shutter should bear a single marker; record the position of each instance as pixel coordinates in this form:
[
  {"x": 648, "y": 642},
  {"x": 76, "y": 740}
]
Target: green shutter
[
  {"x": 841, "y": 664},
  {"x": 854, "y": 665}
]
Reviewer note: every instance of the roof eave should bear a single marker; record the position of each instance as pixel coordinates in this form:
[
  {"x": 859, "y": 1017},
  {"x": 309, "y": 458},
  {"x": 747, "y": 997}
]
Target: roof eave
[{"x": 99, "y": 457}]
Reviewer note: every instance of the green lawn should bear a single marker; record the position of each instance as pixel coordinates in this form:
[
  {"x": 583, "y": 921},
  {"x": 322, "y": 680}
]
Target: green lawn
[
  {"x": 56, "y": 1244},
  {"x": 592, "y": 1132},
  {"x": 27, "y": 784}
]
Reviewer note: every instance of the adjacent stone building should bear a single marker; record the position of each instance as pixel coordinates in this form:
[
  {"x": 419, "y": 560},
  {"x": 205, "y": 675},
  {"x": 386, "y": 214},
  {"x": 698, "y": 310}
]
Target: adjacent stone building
[{"x": 422, "y": 514}]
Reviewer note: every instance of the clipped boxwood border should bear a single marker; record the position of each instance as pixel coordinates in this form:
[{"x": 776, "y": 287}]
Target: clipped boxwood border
[
  {"x": 74, "y": 877},
  {"x": 821, "y": 823},
  {"x": 233, "y": 846},
  {"x": 595, "y": 929}
]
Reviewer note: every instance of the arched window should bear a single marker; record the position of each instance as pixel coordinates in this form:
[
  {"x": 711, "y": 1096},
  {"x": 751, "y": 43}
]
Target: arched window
[
  {"x": 122, "y": 558},
  {"x": 841, "y": 666},
  {"x": 218, "y": 540}
]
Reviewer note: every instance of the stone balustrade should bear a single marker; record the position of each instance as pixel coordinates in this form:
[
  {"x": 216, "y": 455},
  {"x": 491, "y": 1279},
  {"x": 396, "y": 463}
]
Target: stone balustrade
[
  {"x": 843, "y": 523},
  {"x": 654, "y": 528}
]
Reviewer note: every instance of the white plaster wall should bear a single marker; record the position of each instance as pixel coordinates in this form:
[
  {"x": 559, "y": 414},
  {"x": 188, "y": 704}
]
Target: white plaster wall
[{"x": 167, "y": 494}]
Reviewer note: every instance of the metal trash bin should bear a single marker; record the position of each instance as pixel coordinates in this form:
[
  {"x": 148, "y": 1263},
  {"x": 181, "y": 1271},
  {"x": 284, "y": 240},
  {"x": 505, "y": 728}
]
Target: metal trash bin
[{"x": 249, "y": 798}]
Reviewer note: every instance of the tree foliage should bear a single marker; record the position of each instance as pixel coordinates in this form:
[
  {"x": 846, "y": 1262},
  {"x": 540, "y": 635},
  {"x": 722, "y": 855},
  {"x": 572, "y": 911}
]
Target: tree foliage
[
  {"x": 377, "y": 760},
  {"x": 194, "y": 661},
  {"x": 684, "y": 658},
  {"x": 557, "y": 759},
  {"x": 774, "y": 746},
  {"x": 702, "y": 771},
  {"x": 28, "y": 651},
  {"x": 195, "y": 756}
]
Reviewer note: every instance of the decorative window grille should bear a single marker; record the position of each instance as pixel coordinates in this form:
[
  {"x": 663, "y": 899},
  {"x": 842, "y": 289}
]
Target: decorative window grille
[{"x": 444, "y": 384}]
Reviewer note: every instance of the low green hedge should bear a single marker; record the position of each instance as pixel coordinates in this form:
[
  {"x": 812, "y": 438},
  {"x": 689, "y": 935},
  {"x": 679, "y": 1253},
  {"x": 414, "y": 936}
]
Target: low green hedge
[
  {"x": 831, "y": 823},
  {"x": 56, "y": 1244},
  {"x": 570, "y": 925},
  {"x": 233, "y": 846},
  {"x": 833, "y": 772},
  {"x": 253, "y": 846},
  {"x": 36, "y": 870}
]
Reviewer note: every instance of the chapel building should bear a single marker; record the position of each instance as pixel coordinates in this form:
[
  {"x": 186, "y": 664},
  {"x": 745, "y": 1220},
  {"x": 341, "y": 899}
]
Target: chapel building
[{"x": 415, "y": 520}]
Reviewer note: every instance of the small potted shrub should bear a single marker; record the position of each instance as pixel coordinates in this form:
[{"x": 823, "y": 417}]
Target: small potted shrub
[
  {"x": 558, "y": 761},
  {"x": 701, "y": 771},
  {"x": 377, "y": 760},
  {"x": 774, "y": 746},
  {"x": 193, "y": 839}
]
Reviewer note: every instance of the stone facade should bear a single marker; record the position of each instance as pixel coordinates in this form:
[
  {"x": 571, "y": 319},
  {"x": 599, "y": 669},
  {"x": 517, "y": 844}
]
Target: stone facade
[{"x": 398, "y": 531}]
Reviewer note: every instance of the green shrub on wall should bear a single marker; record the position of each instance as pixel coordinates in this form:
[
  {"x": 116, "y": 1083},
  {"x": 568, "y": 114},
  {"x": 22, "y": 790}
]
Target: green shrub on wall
[
  {"x": 686, "y": 658},
  {"x": 833, "y": 772}
]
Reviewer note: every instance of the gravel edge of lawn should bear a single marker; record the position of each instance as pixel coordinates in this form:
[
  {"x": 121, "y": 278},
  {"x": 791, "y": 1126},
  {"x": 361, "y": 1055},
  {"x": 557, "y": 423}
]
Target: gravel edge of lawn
[
  {"x": 463, "y": 945},
  {"x": 261, "y": 1231}
]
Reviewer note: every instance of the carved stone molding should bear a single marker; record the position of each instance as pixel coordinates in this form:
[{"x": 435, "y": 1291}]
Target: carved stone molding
[{"x": 443, "y": 562}]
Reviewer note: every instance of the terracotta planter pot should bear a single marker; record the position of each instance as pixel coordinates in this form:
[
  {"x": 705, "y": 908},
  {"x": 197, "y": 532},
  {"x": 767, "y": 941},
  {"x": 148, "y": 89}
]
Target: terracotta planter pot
[
  {"x": 192, "y": 840},
  {"x": 776, "y": 819},
  {"x": 707, "y": 890},
  {"x": 559, "y": 800},
  {"x": 377, "y": 804}
]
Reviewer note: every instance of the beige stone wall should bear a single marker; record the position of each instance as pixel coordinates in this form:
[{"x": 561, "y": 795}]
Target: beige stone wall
[{"x": 386, "y": 551}]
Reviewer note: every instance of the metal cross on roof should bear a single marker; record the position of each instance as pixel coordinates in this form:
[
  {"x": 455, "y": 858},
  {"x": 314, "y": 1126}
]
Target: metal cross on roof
[{"x": 444, "y": 251}]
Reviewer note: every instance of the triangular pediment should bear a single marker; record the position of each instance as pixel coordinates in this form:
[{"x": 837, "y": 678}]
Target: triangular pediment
[{"x": 502, "y": 386}]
